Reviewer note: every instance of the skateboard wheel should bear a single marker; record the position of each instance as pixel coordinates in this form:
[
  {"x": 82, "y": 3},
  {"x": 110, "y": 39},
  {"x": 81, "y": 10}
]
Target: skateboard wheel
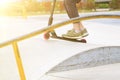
[
  {"x": 46, "y": 36},
  {"x": 83, "y": 41}
]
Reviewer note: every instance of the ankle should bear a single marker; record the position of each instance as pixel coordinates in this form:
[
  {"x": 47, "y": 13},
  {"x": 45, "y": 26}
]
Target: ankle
[{"x": 79, "y": 30}]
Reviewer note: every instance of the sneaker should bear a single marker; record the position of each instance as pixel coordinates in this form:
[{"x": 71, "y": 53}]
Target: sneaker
[
  {"x": 84, "y": 33},
  {"x": 73, "y": 35}
]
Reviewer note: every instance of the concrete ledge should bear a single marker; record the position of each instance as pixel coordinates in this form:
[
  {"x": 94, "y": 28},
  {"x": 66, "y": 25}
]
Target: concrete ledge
[{"x": 91, "y": 58}]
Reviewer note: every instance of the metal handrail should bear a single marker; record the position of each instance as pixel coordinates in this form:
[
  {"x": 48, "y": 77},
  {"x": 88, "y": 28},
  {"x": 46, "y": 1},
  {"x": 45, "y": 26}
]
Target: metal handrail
[{"x": 52, "y": 27}]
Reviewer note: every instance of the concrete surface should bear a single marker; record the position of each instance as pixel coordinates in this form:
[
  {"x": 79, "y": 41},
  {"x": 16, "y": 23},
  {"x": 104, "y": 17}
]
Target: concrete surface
[
  {"x": 106, "y": 72},
  {"x": 40, "y": 56}
]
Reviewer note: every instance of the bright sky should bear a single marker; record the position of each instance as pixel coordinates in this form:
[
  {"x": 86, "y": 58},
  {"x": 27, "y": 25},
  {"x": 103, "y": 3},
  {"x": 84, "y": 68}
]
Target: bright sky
[{"x": 5, "y": 2}]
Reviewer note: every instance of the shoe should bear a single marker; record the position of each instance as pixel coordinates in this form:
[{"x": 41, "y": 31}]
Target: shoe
[
  {"x": 84, "y": 33},
  {"x": 73, "y": 35}
]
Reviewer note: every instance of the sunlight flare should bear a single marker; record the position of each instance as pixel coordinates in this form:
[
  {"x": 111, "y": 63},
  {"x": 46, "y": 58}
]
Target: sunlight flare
[{"x": 4, "y": 3}]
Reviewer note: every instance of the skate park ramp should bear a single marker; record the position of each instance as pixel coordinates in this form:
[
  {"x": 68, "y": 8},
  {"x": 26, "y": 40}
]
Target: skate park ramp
[{"x": 54, "y": 59}]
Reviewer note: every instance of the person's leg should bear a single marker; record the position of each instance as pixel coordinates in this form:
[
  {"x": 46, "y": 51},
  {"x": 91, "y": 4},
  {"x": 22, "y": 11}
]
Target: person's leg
[
  {"x": 70, "y": 6},
  {"x": 72, "y": 11}
]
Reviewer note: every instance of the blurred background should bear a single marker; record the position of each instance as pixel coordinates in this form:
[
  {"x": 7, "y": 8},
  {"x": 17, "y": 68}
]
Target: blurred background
[{"x": 40, "y": 7}]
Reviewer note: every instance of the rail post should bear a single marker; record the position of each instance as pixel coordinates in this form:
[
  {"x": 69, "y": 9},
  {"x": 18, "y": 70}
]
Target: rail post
[{"x": 18, "y": 61}]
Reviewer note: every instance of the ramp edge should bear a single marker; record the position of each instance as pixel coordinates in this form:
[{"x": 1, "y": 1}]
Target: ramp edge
[{"x": 91, "y": 58}]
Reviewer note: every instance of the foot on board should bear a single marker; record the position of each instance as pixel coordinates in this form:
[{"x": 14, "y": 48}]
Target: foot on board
[{"x": 72, "y": 34}]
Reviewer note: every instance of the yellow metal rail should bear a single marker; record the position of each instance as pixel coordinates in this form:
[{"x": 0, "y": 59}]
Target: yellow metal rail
[
  {"x": 14, "y": 42},
  {"x": 52, "y": 27},
  {"x": 18, "y": 60}
]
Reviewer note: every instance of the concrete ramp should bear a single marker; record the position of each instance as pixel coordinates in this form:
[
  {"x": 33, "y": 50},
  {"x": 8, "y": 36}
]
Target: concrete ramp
[
  {"x": 105, "y": 72},
  {"x": 90, "y": 58}
]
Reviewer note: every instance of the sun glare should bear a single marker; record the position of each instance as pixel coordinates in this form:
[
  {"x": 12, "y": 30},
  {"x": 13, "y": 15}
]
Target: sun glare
[{"x": 4, "y": 3}]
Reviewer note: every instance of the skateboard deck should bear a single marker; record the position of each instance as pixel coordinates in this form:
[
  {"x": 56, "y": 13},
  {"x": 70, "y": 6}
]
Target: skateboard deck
[{"x": 67, "y": 39}]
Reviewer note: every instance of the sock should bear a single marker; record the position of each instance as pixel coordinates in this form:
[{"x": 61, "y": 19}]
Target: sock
[{"x": 77, "y": 31}]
